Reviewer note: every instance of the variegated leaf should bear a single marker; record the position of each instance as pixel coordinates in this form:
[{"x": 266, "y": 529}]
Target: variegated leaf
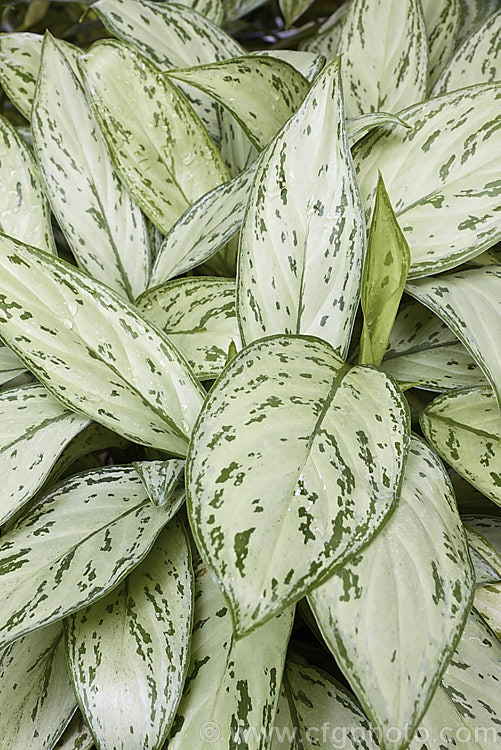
[
  {"x": 260, "y": 91},
  {"x": 10, "y": 365},
  {"x": 487, "y": 603},
  {"x": 213, "y": 10},
  {"x": 328, "y": 36},
  {"x": 358, "y": 127},
  {"x": 232, "y": 685},
  {"x": 19, "y": 62},
  {"x": 484, "y": 539},
  {"x": 464, "y": 712},
  {"x": 443, "y": 21},
  {"x": 488, "y": 526},
  {"x": 441, "y": 176},
  {"x": 307, "y": 63},
  {"x": 367, "y": 610},
  {"x": 470, "y": 304},
  {"x": 76, "y": 736},
  {"x": 34, "y": 430},
  {"x": 94, "y": 351},
  {"x": 464, "y": 427},
  {"x": 204, "y": 228},
  {"x": 293, "y": 9},
  {"x": 199, "y": 317},
  {"x": 73, "y": 546},
  {"x": 339, "y": 436},
  {"x": 378, "y": 76},
  {"x": 385, "y": 273},
  {"x": 109, "y": 238},
  {"x": 237, "y": 8},
  {"x": 128, "y": 652},
  {"x": 171, "y": 36},
  {"x": 485, "y": 558},
  {"x": 24, "y": 210},
  {"x": 424, "y": 351},
  {"x": 303, "y": 241},
  {"x": 474, "y": 14},
  {"x": 20, "y": 54},
  {"x": 36, "y": 696},
  {"x": 316, "y": 711},
  {"x": 160, "y": 147},
  {"x": 478, "y": 60},
  {"x": 160, "y": 478}
]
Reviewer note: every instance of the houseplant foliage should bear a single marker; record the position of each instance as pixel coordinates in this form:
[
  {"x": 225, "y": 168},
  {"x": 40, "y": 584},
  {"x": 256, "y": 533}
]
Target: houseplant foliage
[{"x": 249, "y": 380}]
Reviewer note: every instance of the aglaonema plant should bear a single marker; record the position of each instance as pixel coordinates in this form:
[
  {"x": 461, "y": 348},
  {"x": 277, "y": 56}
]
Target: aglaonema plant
[{"x": 249, "y": 381}]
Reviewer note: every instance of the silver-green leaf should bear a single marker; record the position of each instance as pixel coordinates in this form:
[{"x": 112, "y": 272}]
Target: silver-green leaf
[
  {"x": 34, "y": 431},
  {"x": 232, "y": 686},
  {"x": 424, "y": 351},
  {"x": 443, "y": 21},
  {"x": 367, "y": 610},
  {"x": 160, "y": 147},
  {"x": 464, "y": 427},
  {"x": 160, "y": 478},
  {"x": 36, "y": 696},
  {"x": 94, "y": 351},
  {"x": 441, "y": 175},
  {"x": 303, "y": 241},
  {"x": 339, "y": 436},
  {"x": 478, "y": 60},
  {"x": 261, "y": 91},
  {"x": 128, "y": 652},
  {"x": 199, "y": 316},
  {"x": 377, "y": 75},
  {"x": 469, "y": 303},
  {"x": 108, "y": 238},
  {"x": 205, "y": 227},
  {"x": 24, "y": 210},
  {"x": 73, "y": 546}
]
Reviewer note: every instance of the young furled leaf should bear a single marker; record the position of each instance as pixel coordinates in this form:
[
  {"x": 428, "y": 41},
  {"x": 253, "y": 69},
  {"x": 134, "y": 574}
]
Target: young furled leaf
[
  {"x": 366, "y": 611},
  {"x": 303, "y": 240},
  {"x": 339, "y": 437},
  {"x": 34, "y": 431},
  {"x": 441, "y": 176},
  {"x": 260, "y": 91},
  {"x": 199, "y": 316},
  {"x": 232, "y": 686},
  {"x": 423, "y": 350},
  {"x": 464, "y": 712},
  {"x": 380, "y": 76},
  {"x": 36, "y": 696},
  {"x": 478, "y": 60},
  {"x": 159, "y": 146},
  {"x": 443, "y": 21},
  {"x": 315, "y": 710},
  {"x": 128, "y": 652},
  {"x": 206, "y": 226},
  {"x": 385, "y": 273},
  {"x": 465, "y": 428},
  {"x": 160, "y": 478},
  {"x": 74, "y": 545},
  {"x": 24, "y": 210},
  {"x": 94, "y": 351},
  {"x": 469, "y": 303},
  {"x": 108, "y": 238}
]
